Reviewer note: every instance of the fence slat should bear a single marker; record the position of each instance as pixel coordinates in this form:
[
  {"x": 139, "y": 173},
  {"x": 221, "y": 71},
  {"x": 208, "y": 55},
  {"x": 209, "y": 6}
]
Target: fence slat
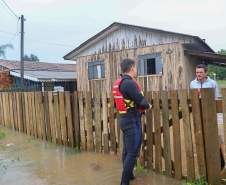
[
  {"x": 89, "y": 121},
  {"x": 63, "y": 118},
  {"x": 26, "y": 108},
  {"x": 83, "y": 145},
  {"x": 69, "y": 119},
  {"x": 157, "y": 126},
  {"x": 75, "y": 116},
  {"x": 8, "y": 110},
  {"x": 13, "y": 121},
  {"x": 46, "y": 112},
  {"x": 4, "y": 109},
  {"x": 37, "y": 114},
  {"x": 112, "y": 124},
  {"x": 176, "y": 135},
  {"x": 15, "y": 117},
  {"x": 105, "y": 122},
  {"x": 183, "y": 96},
  {"x": 11, "y": 125},
  {"x": 43, "y": 115},
  {"x": 198, "y": 132},
  {"x": 34, "y": 108},
  {"x": 31, "y": 110},
  {"x": 51, "y": 117},
  {"x": 166, "y": 133},
  {"x": 149, "y": 132},
  {"x": 57, "y": 117},
  {"x": 20, "y": 111},
  {"x": 210, "y": 129},
  {"x": 97, "y": 118}
]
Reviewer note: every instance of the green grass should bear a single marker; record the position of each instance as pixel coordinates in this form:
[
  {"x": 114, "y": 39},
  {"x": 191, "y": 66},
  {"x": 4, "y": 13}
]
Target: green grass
[
  {"x": 140, "y": 169},
  {"x": 221, "y": 83},
  {"x": 71, "y": 151},
  {"x": 200, "y": 181},
  {"x": 2, "y": 134}
]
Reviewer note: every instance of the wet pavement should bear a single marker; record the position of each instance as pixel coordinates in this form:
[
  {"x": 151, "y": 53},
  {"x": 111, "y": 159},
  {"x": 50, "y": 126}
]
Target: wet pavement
[{"x": 26, "y": 161}]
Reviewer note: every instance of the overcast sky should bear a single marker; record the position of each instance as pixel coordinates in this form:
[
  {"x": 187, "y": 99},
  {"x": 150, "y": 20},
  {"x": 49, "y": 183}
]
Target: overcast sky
[{"x": 55, "y": 27}]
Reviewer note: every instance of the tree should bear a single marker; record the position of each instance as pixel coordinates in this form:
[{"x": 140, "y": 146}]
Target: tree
[
  {"x": 222, "y": 52},
  {"x": 32, "y": 57},
  {"x": 218, "y": 70},
  {"x": 3, "y": 49}
]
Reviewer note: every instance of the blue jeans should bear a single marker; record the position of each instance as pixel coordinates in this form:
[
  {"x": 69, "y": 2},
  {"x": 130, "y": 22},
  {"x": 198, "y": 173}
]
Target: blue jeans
[{"x": 131, "y": 128}]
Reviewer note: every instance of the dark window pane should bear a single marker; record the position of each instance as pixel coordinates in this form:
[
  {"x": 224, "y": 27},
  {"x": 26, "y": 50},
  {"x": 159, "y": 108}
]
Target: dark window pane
[
  {"x": 102, "y": 70},
  {"x": 91, "y": 72},
  {"x": 151, "y": 66}
]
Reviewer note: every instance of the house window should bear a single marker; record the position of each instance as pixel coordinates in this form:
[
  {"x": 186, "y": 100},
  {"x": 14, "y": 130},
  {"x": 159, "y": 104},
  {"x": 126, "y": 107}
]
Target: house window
[
  {"x": 96, "y": 70},
  {"x": 150, "y": 64}
]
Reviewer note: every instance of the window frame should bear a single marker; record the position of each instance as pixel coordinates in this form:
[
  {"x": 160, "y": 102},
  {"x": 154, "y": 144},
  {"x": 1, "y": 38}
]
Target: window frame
[
  {"x": 92, "y": 69},
  {"x": 141, "y": 59}
]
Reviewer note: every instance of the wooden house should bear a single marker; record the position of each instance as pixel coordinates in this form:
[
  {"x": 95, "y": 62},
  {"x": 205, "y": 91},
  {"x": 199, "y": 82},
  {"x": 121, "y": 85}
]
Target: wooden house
[{"x": 165, "y": 60}]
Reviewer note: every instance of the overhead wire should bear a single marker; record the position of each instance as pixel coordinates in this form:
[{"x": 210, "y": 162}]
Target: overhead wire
[
  {"x": 11, "y": 12},
  {"x": 10, "y": 9}
]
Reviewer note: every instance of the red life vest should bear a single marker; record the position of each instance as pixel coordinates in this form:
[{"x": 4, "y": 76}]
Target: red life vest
[{"x": 120, "y": 101}]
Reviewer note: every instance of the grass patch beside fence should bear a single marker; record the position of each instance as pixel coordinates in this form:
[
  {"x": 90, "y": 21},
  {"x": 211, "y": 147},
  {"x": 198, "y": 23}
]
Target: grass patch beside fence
[
  {"x": 200, "y": 181},
  {"x": 221, "y": 83},
  {"x": 2, "y": 134}
]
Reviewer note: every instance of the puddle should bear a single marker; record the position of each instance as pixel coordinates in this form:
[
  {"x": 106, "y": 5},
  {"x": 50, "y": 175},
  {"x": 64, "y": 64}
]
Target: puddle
[{"x": 25, "y": 161}]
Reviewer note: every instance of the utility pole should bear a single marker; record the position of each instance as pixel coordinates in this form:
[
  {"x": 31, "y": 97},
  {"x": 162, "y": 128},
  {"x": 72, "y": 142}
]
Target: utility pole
[{"x": 22, "y": 51}]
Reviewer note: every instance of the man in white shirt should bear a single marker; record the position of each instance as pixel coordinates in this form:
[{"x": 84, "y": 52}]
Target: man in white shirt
[{"x": 203, "y": 81}]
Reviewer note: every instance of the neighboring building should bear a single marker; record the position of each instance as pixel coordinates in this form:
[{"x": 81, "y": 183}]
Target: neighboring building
[
  {"x": 38, "y": 76},
  {"x": 165, "y": 60}
]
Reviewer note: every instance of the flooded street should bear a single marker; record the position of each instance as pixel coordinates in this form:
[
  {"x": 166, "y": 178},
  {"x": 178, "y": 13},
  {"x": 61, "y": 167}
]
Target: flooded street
[{"x": 26, "y": 161}]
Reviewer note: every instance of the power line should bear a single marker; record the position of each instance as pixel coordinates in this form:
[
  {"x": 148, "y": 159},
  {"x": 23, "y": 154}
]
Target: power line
[
  {"x": 6, "y": 32},
  {"x": 36, "y": 41},
  {"x": 50, "y": 43},
  {"x": 10, "y": 9}
]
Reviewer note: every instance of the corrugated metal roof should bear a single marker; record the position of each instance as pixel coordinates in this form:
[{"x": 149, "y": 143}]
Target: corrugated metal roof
[
  {"x": 208, "y": 57},
  {"x": 37, "y": 66},
  {"x": 41, "y": 76}
]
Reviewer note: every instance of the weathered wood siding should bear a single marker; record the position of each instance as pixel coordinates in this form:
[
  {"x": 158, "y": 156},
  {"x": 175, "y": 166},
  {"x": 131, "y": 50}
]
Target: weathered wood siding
[
  {"x": 127, "y": 37},
  {"x": 173, "y": 68}
]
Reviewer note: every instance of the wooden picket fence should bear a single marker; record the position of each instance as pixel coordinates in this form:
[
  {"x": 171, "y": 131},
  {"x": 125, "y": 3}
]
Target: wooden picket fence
[{"x": 180, "y": 133}]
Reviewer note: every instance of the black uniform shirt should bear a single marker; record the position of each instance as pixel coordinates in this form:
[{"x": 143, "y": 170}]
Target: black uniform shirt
[{"x": 129, "y": 90}]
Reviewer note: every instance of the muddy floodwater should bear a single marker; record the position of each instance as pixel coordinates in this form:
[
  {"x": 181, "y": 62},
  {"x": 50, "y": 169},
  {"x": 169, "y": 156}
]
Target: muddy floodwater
[{"x": 26, "y": 161}]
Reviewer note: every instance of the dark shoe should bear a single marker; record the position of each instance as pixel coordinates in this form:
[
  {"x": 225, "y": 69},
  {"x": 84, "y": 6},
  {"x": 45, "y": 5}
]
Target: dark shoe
[
  {"x": 132, "y": 177},
  {"x": 123, "y": 183}
]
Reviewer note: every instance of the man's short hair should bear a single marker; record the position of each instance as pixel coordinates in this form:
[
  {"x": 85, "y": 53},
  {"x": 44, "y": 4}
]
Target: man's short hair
[
  {"x": 203, "y": 66},
  {"x": 126, "y": 65}
]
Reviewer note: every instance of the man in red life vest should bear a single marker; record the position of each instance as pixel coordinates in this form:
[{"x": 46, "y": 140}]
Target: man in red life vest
[{"x": 130, "y": 103}]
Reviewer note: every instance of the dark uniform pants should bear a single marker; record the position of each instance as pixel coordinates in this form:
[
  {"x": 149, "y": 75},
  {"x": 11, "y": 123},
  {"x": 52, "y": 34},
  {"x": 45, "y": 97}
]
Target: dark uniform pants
[{"x": 131, "y": 128}]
